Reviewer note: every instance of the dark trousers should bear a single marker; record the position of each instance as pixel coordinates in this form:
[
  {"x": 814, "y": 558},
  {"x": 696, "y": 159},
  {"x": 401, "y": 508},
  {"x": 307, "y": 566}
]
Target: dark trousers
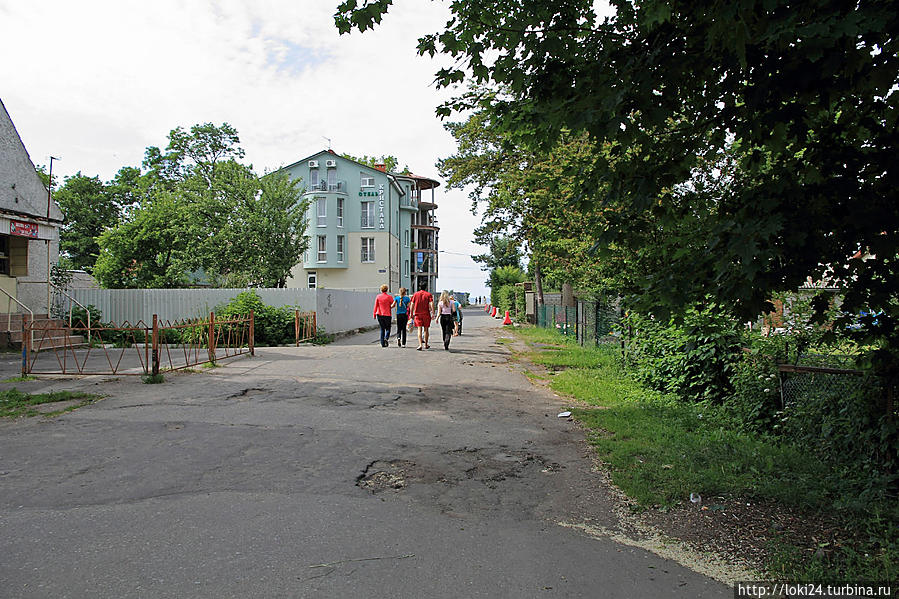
[
  {"x": 401, "y": 321},
  {"x": 447, "y": 323},
  {"x": 385, "y": 322}
]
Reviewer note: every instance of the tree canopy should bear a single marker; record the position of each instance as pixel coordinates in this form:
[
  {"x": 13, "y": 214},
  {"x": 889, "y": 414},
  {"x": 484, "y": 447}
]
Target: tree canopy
[
  {"x": 744, "y": 147},
  {"x": 197, "y": 215}
]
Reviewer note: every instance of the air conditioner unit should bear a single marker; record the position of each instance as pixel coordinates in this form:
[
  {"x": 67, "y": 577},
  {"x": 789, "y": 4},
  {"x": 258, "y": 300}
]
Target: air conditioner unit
[
  {"x": 313, "y": 164},
  {"x": 331, "y": 163}
]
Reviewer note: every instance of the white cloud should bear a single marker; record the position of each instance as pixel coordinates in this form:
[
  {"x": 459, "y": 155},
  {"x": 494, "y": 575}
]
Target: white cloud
[{"x": 97, "y": 82}]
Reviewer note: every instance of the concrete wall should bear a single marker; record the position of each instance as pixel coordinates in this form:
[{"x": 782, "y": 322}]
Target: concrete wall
[{"x": 337, "y": 310}]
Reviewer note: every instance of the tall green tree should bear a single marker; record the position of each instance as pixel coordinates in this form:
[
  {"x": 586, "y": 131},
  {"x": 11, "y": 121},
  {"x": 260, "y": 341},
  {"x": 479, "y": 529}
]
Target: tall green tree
[
  {"x": 803, "y": 95},
  {"x": 89, "y": 208},
  {"x": 391, "y": 163},
  {"x": 196, "y": 210}
]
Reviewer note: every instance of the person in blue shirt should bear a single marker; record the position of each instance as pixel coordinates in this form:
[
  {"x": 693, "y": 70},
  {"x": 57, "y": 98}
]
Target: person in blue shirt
[
  {"x": 458, "y": 307},
  {"x": 401, "y": 302}
]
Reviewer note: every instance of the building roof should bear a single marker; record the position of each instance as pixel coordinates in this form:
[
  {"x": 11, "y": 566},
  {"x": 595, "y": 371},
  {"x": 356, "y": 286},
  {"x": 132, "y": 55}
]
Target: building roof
[{"x": 22, "y": 192}]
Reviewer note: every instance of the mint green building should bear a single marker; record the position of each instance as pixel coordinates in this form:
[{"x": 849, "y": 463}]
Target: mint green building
[{"x": 366, "y": 226}]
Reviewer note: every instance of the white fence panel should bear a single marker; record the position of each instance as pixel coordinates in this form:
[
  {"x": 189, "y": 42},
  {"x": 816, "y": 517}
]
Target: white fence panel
[{"x": 338, "y": 310}]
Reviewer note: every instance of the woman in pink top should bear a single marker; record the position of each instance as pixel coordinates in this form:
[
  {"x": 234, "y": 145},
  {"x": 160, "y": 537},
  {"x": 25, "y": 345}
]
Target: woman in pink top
[
  {"x": 447, "y": 310},
  {"x": 383, "y": 304}
]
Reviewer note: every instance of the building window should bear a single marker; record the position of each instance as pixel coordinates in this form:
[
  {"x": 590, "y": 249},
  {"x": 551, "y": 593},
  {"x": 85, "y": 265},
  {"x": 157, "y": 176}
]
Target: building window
[
  {"x": 322, "y": 248},
  {"x": 367, "y": 181},
  {"x": 321, "y": 211},
  {"x": 312, "y": 280},
  {"x": 406, "y": 268},
  {"x": 340, "y": 248},
  {"x": 339, "y": 212},
  {"x": 405, "y": 238},
  {"x": 332, "y": 179},
  {"x": 368, "y": 215},
  {"x": 368, "y": 249},
  {"x": 313, "y": 178}
]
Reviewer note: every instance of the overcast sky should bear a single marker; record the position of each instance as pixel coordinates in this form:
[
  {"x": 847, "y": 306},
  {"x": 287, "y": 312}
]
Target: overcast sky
[{"x": 94, "y": 83}]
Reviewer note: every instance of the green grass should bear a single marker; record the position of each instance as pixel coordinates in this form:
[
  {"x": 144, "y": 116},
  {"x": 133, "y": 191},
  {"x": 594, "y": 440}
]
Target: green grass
[
  {"x": 15, "y": 403},
  {"x": 19, "y": 379},
  {"x": 660, "y": 450}
]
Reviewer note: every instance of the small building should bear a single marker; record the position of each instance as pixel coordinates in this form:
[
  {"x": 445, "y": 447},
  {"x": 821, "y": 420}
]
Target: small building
[
  {"x": 29, "y": 227},
  {"x": 366, "y": 226}
]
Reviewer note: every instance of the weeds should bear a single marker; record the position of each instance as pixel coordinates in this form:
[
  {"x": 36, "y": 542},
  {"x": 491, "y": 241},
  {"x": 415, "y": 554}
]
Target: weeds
[{"x": 15, "y": 403}]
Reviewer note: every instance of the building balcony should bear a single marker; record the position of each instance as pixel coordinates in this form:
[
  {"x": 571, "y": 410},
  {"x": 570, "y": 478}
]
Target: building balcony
[
  {"x": 431, "y": 227},
  {"x": 324, "y": 186}
]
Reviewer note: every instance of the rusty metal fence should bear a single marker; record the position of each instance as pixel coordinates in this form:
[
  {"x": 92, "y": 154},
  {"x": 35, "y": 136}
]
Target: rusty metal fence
[
  {"x": 305, "y": 326},
  {"x": 134, "y": 348}
]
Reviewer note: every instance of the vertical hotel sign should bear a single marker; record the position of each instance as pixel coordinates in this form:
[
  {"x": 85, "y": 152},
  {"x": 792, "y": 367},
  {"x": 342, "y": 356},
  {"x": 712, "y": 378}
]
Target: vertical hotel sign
[
  {"x": 23, "y": 229},
  {"x": 381, "y": 217}
]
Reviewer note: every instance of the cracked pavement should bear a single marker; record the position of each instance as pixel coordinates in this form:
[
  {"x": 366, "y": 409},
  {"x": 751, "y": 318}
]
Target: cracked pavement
[{"x": 338, "y": 471}]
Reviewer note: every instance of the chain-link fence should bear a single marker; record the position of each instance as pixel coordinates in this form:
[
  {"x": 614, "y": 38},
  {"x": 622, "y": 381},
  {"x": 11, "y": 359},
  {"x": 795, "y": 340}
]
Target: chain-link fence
[{"x": 591, "y": 322}]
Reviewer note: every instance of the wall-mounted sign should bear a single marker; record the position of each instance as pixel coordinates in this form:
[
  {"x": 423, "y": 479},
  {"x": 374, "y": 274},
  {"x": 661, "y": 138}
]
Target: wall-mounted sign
[
  {"x": 381, "y": 219},
  {"x": 371, "y": 194},
  {"x": 22, "y": 229}
]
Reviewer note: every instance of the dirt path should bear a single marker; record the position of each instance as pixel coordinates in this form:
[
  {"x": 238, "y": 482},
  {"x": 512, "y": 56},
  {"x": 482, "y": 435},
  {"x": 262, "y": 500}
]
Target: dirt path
[{"x": 335, "y": 471}]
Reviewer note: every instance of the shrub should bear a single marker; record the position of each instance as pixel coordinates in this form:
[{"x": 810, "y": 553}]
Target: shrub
[
  {"x": 273, "y": 326},
  {"x": 693, "y": 359}
]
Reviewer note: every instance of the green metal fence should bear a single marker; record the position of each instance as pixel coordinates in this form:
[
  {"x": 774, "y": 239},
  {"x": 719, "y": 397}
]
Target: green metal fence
[{"x": 591, "y": 322}]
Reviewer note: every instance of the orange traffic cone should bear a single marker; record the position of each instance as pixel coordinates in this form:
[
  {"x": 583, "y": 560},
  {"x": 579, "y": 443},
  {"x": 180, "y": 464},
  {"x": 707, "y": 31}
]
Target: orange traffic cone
[
  {"x": 507, "y": 320},
  {"x": 493, "y": 313}
]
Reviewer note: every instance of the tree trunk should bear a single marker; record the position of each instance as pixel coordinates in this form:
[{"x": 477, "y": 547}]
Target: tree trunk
[
  {"x": 538, "y": 284},
  {"x": 568, "y": 300}
]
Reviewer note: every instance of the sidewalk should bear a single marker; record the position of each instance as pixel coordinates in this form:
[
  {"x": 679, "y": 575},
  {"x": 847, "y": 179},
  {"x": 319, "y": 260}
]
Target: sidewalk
[{"x": 347, "y": 470}]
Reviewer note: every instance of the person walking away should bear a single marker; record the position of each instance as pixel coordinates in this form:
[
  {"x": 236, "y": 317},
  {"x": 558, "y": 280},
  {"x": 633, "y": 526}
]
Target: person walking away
[
  {"x": 383, "y": 304},
  {"x": 422, "y": 308},
  {"x": 446, "y": 310},
  {"x": 458, "y": 313},
  {"x": 401, "y": 302}
]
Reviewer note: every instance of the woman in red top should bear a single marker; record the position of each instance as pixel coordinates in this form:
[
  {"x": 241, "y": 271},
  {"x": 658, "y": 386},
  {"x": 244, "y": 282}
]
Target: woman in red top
[
  {"x": 383, "y": 304},
  {"x": 422, "y": 311}
]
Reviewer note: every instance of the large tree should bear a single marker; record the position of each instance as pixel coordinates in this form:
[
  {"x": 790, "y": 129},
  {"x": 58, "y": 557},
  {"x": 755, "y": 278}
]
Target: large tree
[
  {"x": 803, "y": 96},
  {"x": 89, "y": 208},
  {"x": 197, "y": 210}
]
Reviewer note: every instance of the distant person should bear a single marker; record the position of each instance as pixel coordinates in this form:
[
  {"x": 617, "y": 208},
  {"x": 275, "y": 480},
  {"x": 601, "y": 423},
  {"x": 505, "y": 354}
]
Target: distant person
[
  {"x": 383, "y": 305},
  {"x": 458, "y": 316},
  {"x": 446, "y": 310},
  {"x": 422, "y": 308},
  {"x": 401, "y": 302}
]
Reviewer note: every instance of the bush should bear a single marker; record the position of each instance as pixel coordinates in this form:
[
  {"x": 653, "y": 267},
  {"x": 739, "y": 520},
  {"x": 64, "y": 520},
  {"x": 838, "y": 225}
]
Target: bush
[
  {"x": 273, "y": 326},
  {"x": 693, "y": 360}
]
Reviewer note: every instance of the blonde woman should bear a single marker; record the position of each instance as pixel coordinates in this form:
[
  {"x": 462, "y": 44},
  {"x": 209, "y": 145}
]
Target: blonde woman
[{"x": 446, "y": 308}]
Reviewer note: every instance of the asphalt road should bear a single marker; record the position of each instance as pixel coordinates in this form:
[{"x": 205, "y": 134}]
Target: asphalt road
[{"x": 348, "y": 470}]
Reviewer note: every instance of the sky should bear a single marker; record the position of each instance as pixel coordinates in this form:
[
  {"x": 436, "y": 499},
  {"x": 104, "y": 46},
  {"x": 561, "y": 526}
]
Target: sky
[{"x": 95, "y": 83}]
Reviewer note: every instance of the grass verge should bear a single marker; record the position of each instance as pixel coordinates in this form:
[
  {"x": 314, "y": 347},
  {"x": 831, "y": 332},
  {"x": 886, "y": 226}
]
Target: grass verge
[
  {"x": 660, "y": 450},
  {"x": 15, "y": 403}
]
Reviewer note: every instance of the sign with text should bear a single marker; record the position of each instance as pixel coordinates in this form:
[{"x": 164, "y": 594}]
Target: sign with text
[
  {"x": 381, "y": 220},
  {"x": 23, "y": 229}
]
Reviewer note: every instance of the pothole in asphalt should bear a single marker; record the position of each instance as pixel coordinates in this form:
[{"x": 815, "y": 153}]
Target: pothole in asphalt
[
  {"x": 382, "y": 475},
  {"x": 248, "y": 392}
]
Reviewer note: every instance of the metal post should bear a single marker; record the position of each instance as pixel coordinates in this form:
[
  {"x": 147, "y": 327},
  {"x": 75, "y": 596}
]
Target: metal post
[
  {"x": 155, "y": 343},
  {"x": 252, "y": 333},
  {"x": 212, "y": 336},
  {"x": 24, "y": 346},
  {"x": 296, "y": 327}
]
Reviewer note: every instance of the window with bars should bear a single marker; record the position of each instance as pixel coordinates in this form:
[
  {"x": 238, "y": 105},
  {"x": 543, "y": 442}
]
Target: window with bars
[
  {"x": 339, "y": 212},
  {"x": 368, "y": 215},
  {"x": 340, "y": 244},
  {"x": 368, "y": 249}
]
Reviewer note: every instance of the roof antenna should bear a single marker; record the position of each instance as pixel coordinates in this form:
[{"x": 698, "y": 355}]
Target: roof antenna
[{"x": 328, "y": 139}]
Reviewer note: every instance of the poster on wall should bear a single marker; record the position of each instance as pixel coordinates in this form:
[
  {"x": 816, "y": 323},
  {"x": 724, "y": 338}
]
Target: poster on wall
[{"x": 23, "y": 229}]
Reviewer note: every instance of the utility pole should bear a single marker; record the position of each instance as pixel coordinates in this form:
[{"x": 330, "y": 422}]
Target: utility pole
[{"x": 49, "y": 200}]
